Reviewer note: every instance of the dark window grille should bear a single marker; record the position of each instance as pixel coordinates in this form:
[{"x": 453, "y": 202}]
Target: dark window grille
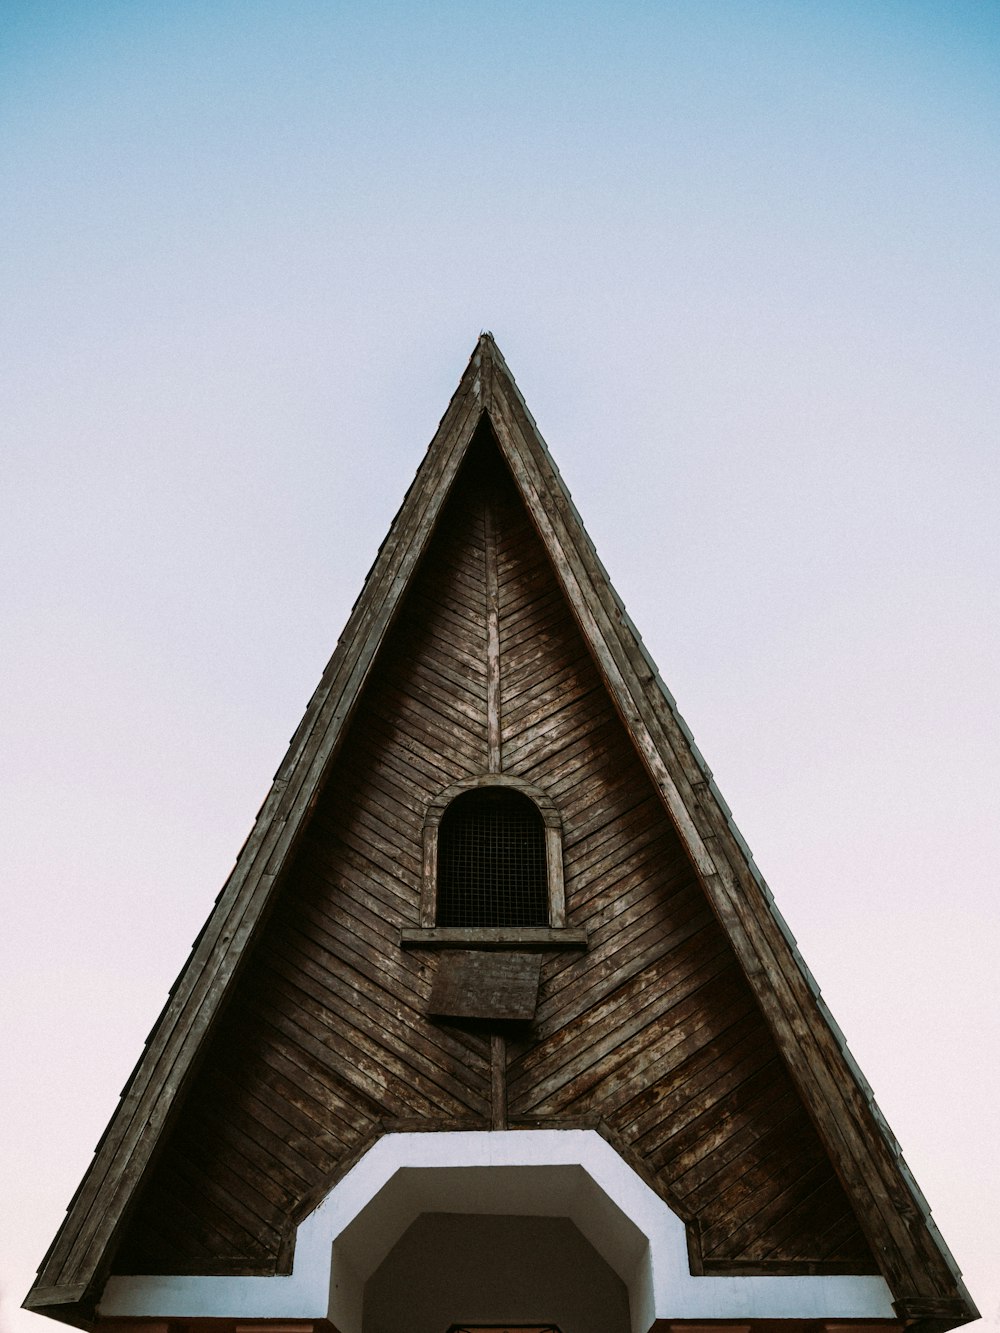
[{"x": 491, "y": 861}]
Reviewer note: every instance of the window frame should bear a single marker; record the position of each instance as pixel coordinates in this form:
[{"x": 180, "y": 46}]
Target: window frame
[
  {"x": 556, "y": 935},
  {"x": 552, "y": 823}
]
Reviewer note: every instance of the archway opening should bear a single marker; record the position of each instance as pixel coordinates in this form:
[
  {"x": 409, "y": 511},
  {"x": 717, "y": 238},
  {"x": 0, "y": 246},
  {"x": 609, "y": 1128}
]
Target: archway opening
[{"x": 450, "y": 1269}]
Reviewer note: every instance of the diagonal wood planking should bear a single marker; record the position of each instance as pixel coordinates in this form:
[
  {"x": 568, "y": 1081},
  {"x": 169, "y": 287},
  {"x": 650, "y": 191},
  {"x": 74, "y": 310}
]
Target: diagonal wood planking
[
  {"x": 403, "y": 761},
  {"x": 659, "y": 995},
  {"x": 325, "y": 1038},
  {"x": 652, "y": 1033}
]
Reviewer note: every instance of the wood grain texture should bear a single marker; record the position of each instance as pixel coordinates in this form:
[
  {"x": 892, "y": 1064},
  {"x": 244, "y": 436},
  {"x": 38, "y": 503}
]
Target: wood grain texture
[
  {"x": 652, "y": 1029},
  {"x": 327, "y": 1026},
  {"x": 85, "y": 1243},
  {"x": 891, "y": 1210},
  {"x": 478, "y": 983},
  {"x": 687, "y": 1032}
]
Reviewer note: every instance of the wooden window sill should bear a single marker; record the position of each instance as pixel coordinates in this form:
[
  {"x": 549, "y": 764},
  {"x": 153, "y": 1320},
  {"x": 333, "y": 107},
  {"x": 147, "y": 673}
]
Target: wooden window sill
[{"x": 486, "y": 937}]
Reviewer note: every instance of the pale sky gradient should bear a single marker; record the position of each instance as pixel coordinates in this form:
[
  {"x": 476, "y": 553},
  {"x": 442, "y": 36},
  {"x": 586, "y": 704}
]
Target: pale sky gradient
[{"x": 743, "y": 261}]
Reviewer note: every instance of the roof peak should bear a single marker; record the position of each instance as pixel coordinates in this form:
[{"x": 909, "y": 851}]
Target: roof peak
[{"x": 924, "y": 1280}]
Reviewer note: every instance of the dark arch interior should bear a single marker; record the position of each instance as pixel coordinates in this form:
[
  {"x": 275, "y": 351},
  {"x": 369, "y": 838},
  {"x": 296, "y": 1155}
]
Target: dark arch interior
[
  {"x": 495, "y": 1272},
  {"x": 491, "y": 861}
]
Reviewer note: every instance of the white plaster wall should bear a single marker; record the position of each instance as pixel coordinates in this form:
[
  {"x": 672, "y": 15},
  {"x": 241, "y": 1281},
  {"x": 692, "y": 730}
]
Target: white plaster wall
[{"x": 559, "y": 1173}]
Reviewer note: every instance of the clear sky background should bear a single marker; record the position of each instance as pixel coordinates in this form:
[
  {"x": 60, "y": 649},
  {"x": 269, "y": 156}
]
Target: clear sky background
[{"x": 743, "y": 261}]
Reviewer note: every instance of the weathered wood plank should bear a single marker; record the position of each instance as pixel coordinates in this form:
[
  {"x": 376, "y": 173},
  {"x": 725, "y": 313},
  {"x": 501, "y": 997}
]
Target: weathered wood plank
[
  {"x": 358, "y": 888},
  {"x": 435, "y": 678},
  {"x": 398, "y": 1044},
  {"x": 668, "y": 1043},
  {"x": 780, "y": 1229},
  {"x": 502, "y": 936},
  {"x": 485, "y": 984},
  {"x": 340, "y": 996},
  {"x": 277, "y": 1124},
  {"x": 494, "y": 726},
  {"x": 242, "y": 1215},
  {"x": 430, "y": 769},
  {"x": 316, "y": 1090},
  {"x": 454, "y": 619},
  {"x": 124, "y": 1149},
  {"x": 616, "y": 954},
  {"x": 698, "y": 1064},
  {"x": 386, "y": 839},
  {"x": 699, "y": 1130},
  {"x": 259, "y": 1135},
  {"x": 624, "y": 850},
  {"x": 399, "y": 987},
  {"x": 433, "y": 721},
  {"x": 849, "y": 1128},
  {"x": 771, "y": 1199},
  {"x": 180, "y": 1239},
  {"x": 548, "y": 1077},
  {"x": 355, "y": 1066}
]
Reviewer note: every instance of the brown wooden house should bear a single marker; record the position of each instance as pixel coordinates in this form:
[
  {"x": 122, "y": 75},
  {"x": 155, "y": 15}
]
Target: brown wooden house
[{"x": 495, "y": 1023}]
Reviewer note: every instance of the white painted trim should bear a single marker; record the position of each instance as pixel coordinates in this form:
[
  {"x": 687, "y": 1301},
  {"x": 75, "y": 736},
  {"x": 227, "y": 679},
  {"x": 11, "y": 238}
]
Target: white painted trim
[{"x": 555, "y": 1173}]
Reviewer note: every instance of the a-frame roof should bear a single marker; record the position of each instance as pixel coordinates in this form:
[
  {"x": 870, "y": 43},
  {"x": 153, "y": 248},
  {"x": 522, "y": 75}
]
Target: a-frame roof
[{"x": 920, "y": 1272}]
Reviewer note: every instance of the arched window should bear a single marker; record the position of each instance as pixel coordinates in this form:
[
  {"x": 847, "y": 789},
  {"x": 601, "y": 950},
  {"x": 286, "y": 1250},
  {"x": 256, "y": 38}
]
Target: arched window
[
  {"x": 492, "y": 870},
  {"x": 491, "y": 867}
]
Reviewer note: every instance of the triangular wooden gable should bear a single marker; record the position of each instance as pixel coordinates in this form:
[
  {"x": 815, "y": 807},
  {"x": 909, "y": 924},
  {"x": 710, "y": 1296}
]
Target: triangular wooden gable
[{"x": 488, "y": 638}]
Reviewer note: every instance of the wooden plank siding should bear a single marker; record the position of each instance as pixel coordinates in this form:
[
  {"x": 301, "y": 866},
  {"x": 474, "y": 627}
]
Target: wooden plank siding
[
  {"x": 488, "y": 637},
  {"x": 652, "y": 1030},
  {"x": 659, "y": 987},
  {"x": 326, "y": 1026},
  {"x": 894, "y": 1216}
]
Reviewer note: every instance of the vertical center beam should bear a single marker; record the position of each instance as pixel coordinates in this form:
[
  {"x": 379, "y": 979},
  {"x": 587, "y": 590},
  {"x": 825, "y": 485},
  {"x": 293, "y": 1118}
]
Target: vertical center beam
[
  {"x": 498, "y": 1043},
  {"x": 495, "y": 756},
  {"x": 498, "y": 1080}
]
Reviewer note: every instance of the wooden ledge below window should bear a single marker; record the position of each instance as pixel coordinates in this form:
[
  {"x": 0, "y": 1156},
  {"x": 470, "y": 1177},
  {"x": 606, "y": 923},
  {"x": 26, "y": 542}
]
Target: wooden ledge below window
[{"x": 494, "y": 937}]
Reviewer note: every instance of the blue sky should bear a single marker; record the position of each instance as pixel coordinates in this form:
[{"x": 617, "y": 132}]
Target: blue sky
[{"x": 743, "y": 262}]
